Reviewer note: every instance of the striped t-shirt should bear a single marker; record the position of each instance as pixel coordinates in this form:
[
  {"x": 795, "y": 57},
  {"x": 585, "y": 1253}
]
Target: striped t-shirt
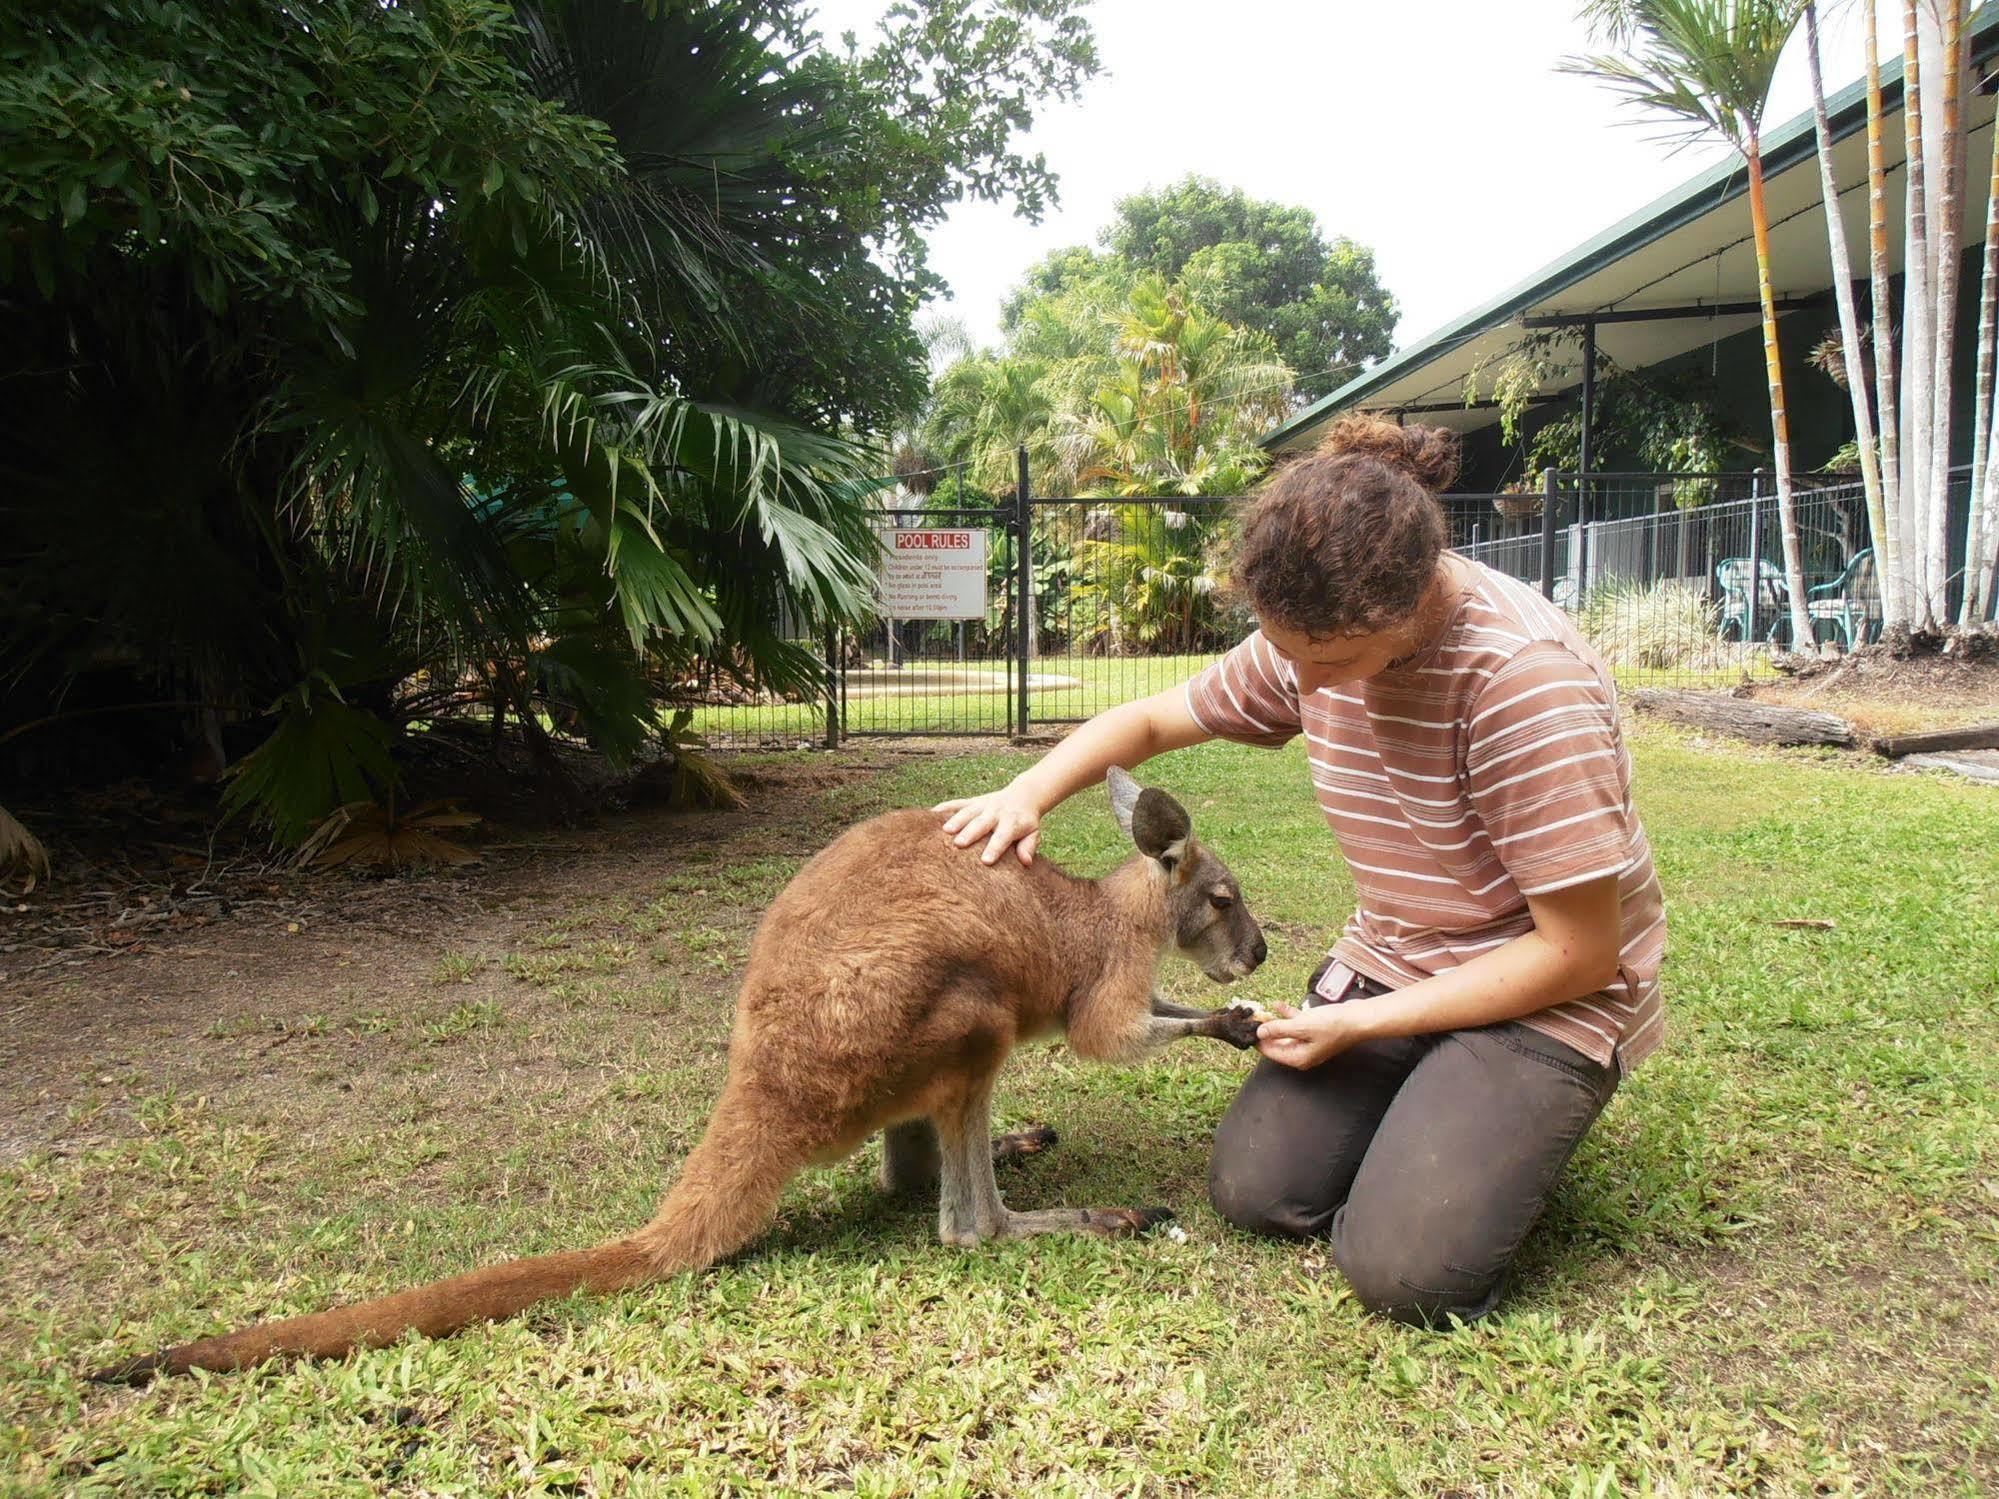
[{"x": 1458, "y": 783}]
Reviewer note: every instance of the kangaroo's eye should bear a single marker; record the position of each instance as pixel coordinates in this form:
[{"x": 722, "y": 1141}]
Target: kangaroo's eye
[{"x": 1221, "y": 900}]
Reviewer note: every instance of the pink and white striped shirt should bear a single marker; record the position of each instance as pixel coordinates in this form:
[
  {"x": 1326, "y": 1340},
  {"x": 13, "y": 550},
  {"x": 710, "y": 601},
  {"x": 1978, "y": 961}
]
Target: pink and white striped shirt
[{"x": 1460, "y": 782}]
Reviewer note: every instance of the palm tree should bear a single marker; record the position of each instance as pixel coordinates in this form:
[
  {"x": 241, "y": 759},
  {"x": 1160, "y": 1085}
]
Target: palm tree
[
  {"x": 1708, "y": 65},
  {"x": 1887, "y": 536},
  {"x": 1936, "y": 528},
  {"x": 1976, "y": 574},
  {"x": 1842, "y": 283},
  {"x": 988, "y": 407},
  {"x": 1918, "y": 328}
]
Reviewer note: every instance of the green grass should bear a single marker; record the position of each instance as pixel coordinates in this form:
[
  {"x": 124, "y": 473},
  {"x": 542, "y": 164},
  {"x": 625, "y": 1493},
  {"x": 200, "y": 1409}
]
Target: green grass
[{"x": 1771, "y": 1268}]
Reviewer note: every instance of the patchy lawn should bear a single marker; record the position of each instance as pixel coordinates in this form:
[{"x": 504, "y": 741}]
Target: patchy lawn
[{"x": 1772, "y": 1268}]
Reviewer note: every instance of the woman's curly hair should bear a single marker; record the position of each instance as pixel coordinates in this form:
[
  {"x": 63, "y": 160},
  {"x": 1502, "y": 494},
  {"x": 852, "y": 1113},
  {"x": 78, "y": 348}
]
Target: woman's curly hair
[{"x": 1344, "y": 540}]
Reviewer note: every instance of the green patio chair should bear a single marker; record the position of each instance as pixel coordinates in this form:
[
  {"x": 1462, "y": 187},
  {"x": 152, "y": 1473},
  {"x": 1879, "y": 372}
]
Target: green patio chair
[
  {"x": 1731, "y": 575},
  {"x": 1850, "y": 603}
]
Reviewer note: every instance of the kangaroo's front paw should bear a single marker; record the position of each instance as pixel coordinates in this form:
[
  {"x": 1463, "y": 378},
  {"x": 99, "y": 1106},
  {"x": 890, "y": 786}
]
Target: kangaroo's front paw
[
  {"x": 1237, "y": 1024},
  {"x": 1021, "y": 1144}
]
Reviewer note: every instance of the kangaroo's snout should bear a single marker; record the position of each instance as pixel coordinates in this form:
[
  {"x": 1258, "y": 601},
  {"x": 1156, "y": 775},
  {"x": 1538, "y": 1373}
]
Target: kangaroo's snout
[{"x": 1242, "y": 961}]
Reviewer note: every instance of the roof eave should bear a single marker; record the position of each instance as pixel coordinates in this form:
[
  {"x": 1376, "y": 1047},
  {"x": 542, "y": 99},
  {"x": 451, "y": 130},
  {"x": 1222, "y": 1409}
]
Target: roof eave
[{"x": 1792, "y": 142}]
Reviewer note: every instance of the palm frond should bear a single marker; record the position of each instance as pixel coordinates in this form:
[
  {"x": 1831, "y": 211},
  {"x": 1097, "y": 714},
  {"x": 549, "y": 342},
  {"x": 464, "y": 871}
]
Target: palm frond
[{"x": 1705, "y": 64}]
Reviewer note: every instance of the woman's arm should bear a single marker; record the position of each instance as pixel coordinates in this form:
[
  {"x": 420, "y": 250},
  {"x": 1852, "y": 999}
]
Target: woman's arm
[
  {"x": 1572, "y": 951},
  {"x": 1127, "y": 735}
]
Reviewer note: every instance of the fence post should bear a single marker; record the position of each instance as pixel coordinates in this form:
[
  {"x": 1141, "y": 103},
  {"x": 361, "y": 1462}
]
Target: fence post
[
  {"x": 1547, "y": 533},
  {"x": 1023, "y": 556},
  {"x": 1755, "y": 584},
  {"x": 832, "y": 687}
]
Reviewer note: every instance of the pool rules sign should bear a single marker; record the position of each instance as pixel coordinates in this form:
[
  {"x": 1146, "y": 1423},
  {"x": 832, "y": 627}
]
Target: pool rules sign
[{"x": 934, "y": 573}]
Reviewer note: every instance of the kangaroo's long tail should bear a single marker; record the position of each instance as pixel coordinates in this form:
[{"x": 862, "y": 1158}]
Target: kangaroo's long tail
[{"x": 723, "y": 1199}]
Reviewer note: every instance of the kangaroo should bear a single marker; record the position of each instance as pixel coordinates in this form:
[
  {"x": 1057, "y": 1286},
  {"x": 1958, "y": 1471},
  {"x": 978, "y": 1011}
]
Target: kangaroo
[{"x": 874, "y": 1006}]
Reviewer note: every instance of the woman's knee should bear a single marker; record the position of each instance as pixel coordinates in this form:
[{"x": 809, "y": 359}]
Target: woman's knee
[
  {"x": 1236, "y": 1188},
  {"x": 1410, "y": 1281},
  {"x": 1245, "y": 1189}
]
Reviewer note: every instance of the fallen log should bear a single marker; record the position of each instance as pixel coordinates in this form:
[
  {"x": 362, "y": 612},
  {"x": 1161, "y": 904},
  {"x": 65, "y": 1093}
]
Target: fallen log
[
  {"x": 1971, "y": 737},
  {"x": 1744, "y": 718}
]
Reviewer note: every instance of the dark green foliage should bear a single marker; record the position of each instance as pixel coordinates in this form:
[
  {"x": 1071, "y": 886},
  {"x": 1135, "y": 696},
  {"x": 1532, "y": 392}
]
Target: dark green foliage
[
  {"x": 324, "y": 753},
  {"x": 382, "y": 362}
]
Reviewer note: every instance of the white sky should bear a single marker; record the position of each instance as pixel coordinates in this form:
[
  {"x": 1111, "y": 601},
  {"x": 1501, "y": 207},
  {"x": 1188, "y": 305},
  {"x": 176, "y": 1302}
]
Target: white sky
[{"x": 1438, "y": 133}]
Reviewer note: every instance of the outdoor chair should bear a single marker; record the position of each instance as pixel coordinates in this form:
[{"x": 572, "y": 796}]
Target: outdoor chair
[
  {"x": 1850, "y": 603},
  {"x": 1731, "y": 575}
]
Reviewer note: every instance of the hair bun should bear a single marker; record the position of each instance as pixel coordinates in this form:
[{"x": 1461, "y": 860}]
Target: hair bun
[{"x": 1429, "y": 455}]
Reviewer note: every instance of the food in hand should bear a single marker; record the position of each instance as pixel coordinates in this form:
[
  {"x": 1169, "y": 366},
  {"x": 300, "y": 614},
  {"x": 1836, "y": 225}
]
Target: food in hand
[{"x": 1253, "y": 1010}]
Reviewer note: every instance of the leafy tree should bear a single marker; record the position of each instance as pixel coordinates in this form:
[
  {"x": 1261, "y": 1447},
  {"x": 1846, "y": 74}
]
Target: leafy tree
[
  {"x": 1260, "y": 265},
  {"x": 1120, "y": 385}
]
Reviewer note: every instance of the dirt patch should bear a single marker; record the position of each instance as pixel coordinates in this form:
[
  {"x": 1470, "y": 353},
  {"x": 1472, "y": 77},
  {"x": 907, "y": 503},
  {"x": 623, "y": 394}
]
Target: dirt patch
[
  {"x": 158, "y": 963},
  {"x": 1886, "y": 692}
]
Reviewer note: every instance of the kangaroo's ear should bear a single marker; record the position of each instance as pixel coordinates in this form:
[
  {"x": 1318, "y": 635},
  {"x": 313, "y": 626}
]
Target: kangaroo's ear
[
  {"x": 1124, "y": 797},
  {"x": 1160, "y": 827}
]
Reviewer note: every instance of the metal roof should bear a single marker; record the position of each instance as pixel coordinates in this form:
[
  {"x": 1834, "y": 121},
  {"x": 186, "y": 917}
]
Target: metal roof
[{"x": 1691, "y": 246}]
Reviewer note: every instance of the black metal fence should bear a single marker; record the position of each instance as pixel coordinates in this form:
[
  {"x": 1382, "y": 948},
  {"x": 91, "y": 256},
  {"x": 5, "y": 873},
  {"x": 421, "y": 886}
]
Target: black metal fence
[
  {"x": 1119, "y": 599},
  {"x": 1678, "y": 579}
]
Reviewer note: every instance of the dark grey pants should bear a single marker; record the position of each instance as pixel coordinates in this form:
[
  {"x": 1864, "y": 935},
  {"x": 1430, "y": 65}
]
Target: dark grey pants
[{"x": 1426, "y": 1158}]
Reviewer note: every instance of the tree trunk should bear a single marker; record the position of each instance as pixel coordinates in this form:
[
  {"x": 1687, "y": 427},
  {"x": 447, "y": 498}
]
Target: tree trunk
[
  {"x": 1780, "y": 426},
  {"x": 1842, "y": 284},
  {"x": 1944, "y": 230},
  {"x": 1982, "y": 475},
  {"x": 1744, "y": 718},
  {"x": 1918, "y": 334},
  {"x": 1888, "y": 528}
]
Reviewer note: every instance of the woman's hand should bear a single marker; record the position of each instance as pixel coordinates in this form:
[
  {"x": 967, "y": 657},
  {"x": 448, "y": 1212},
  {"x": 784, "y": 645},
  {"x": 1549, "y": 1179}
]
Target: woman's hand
[
  {"x": 1306, "y": 1038},
  {"x": 1005, "y": 818}
]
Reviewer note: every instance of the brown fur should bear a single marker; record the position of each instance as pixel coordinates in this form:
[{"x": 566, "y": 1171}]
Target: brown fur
[{"x": 886, "y": 985}]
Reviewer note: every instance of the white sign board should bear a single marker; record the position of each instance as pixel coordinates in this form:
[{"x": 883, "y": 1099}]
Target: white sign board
[{"x": 933, "y": 573}]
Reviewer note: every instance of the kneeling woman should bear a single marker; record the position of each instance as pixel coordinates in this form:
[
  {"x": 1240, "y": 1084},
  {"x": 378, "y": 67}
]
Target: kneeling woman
[{"x": 1500, "y": 974}]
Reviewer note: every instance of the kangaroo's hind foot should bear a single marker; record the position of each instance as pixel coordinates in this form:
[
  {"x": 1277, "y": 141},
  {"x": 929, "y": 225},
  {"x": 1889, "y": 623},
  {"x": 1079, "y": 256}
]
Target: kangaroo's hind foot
[
  {"x": 970, "y": 1210},
  {"x": 1109, "y": 1223}
]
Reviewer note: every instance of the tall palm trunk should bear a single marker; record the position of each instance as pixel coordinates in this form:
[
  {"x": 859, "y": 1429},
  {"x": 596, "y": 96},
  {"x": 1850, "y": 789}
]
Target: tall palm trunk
[
  {"x": 1977, "y": 568},
  {"x": 1842, "y": 285},
  {"x": 1888, "y": 526},
  {"x": 1780, "y": 426},
  {"x": 1918, "y": 334},
  {"x": 1936, "y": 532}
]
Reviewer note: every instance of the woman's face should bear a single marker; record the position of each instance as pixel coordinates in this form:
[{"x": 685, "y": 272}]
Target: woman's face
[{"x": 1327, "y": 661}]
